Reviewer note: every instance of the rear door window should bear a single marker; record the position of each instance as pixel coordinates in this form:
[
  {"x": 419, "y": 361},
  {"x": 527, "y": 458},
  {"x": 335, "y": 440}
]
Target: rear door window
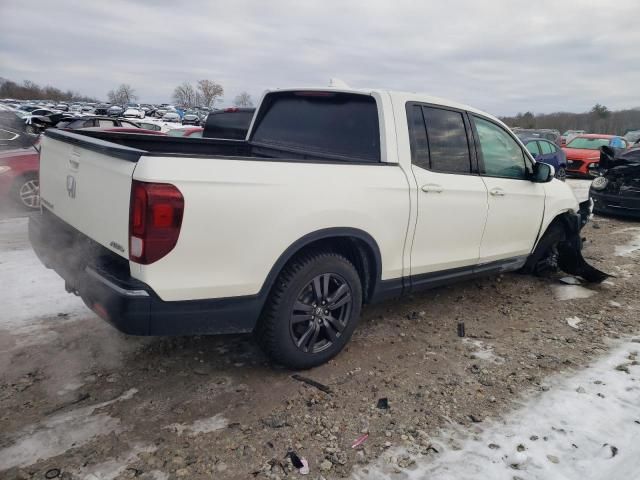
[
  {"x": 533, "y": 148},
  {"x": 546, "y": 148},
  {"x": 447, "y": 139},
  {"x": 326, "y": 125}
]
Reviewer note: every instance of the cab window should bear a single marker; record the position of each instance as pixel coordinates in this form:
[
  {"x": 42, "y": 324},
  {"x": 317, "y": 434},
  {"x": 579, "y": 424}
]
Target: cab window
[{"x": 501, "y": 154}]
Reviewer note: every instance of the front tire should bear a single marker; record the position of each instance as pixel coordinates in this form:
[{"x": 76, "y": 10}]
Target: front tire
[
  {"x": 26, "y": 191},
  {"x": 312, "y": 310},
  {"x": 561, "y": 174}
]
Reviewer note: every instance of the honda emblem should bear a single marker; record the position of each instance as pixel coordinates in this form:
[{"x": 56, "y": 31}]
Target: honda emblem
[{"x": 71, "y": 186}]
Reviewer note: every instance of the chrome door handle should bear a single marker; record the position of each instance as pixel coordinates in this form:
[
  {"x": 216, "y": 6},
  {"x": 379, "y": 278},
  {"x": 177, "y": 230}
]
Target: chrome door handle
[
  {"x": 497, "y": 192},
  {"x": 432, "y": 187}
]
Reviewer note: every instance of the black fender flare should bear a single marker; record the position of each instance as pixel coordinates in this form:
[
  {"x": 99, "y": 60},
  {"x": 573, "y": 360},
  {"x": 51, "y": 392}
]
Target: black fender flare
[{"x": 324, "y": 234}]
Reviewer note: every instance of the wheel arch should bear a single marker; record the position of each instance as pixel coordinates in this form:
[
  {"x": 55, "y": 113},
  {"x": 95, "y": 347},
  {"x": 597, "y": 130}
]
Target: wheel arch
[{"x": 356, "y": 245}]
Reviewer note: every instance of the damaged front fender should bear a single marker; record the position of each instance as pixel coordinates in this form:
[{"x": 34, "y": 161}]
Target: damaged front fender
[{"x": 560, "y": 248}]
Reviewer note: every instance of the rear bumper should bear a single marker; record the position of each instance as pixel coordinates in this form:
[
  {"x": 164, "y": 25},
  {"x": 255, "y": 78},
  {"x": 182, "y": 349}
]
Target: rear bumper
[
  {"x": 615, "y": 204},
  {"x": 102, "y": 280}
]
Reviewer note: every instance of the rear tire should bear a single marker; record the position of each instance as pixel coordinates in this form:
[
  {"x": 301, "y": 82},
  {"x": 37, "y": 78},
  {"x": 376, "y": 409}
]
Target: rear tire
[
  {"x": 561, "y": 174},
  {"x": 312, "y": 310}
]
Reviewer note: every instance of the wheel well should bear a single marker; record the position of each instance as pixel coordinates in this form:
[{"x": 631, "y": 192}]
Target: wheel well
[
  {"x": 17, "y": 182},
  {"x": 361, "y": 251}
]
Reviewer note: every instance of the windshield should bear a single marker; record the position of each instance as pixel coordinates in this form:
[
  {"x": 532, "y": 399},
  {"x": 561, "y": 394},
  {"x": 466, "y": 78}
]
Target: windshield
[{"x": 588, "y": 143}]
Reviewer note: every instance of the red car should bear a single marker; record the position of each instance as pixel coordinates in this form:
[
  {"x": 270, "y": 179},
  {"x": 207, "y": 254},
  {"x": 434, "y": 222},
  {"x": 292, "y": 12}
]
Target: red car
[
  {"x": 193, "y": 132},
  {"x": 583, "y": 151},
  {"x": 19, "y": 176}
]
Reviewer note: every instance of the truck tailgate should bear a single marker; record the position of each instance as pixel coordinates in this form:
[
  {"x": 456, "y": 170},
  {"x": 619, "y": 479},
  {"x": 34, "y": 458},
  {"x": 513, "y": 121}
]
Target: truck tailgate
[{"x": 86, "y": 182}]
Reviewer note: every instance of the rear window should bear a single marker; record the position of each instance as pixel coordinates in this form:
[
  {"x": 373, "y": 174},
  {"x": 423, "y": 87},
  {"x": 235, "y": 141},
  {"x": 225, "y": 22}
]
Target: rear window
[
  {"x": 231, "y": 125},
  {"x": 324, "y": 124}
]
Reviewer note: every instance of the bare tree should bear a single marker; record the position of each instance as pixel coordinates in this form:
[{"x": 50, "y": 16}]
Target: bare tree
[
  {"x": 32, "y": 91},
  {"x": 243, "y": 99},
  {"x": 209, "y": 91},
  {"x": 122, "y": 95},
  {"x": 185, "y": 95}
]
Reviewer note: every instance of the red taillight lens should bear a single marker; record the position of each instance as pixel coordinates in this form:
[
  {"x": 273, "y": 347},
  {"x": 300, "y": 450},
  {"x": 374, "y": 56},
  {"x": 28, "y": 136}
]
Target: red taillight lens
[{"x": 155, "y": 219}]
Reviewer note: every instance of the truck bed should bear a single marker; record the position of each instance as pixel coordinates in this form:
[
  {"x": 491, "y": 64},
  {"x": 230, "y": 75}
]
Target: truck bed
[{"x": 158, "y": 145}]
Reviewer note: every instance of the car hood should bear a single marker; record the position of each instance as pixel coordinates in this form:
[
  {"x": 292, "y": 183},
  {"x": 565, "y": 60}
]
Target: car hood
[{"x": 581, "y": 154}]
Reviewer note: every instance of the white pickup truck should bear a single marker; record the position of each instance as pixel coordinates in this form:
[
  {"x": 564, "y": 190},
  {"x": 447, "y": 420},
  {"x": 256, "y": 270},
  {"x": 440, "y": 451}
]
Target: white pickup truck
[{"x": 337, "y": 198}]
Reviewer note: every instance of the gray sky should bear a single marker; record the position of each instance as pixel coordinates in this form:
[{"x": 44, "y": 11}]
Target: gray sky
[{"x": 502, "y": 56}]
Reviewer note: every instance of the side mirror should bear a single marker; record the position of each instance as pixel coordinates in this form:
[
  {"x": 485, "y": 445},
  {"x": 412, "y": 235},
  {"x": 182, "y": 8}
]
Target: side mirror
[{"x": 543, "y": 172}]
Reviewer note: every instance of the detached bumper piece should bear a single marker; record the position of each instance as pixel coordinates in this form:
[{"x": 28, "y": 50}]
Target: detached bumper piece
[{"x": 102, "y": 279}]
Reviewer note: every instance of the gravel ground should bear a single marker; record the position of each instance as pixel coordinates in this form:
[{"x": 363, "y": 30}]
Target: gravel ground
[{"x": 80, "y": 400}]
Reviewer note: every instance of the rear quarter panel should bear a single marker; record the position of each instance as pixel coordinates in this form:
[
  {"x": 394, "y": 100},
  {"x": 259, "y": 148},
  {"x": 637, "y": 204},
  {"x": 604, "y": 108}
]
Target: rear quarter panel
[{"x": 241, "y": 215}]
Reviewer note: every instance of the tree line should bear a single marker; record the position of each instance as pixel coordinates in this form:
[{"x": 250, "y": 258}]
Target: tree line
[
  {"x": 29, "y": 90},
  {"x": 205, "y": 93},
  {"x": 597, "y": 120}
]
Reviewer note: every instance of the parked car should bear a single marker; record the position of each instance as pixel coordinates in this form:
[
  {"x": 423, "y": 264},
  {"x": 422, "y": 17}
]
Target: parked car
[
  {"x": 548, "y": 152},
  {"x": 617, "y": 190},
  {"x": 567, "y": 136},
  {"x": 228, "y": 123},
  {"x": 548, "y": 134},
  {"x": 63, "y": 107},
  {"x": 583, "y": 152},
  {"x": 133, "y": 112},
  {"x": 194, "y": 132},
  {"x": 390, "y": 210},
  {"x": 171, "y": 117},
  {"x": 632, "y": 136},
  {"x": 123, "y": 129},
  {"x": 74, "y": 123},
  {"x": 19, "y": 177},
  {"x": 149, "y": 126},
  {"x": 87, "y": 109},
  {"x": 115, "y": 111},
  {"x": 102, "y": 109},
  {"x": 191, "y": 118}
]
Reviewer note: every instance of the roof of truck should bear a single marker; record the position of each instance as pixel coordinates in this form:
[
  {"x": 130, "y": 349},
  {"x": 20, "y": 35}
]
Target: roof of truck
[{"x": 403, "y": 96}]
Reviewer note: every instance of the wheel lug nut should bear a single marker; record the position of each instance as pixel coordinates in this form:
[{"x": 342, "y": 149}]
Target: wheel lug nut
[{"x": 326, "y": 311}]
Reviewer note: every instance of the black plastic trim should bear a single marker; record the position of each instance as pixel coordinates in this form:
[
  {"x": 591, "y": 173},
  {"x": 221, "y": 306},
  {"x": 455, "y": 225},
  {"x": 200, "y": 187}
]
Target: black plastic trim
[
  {"x": 446, "y": 277},
  {"x": 97, "y": 145}
]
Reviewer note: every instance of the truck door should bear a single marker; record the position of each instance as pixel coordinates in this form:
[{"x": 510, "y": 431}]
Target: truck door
[
  {"x": 516, "y": 204},
  {"x": 451, "y": 196}
]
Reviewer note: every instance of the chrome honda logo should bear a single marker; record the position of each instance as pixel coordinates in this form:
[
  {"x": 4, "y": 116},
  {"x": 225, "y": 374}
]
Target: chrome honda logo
[{"x": 71, "y": 186}]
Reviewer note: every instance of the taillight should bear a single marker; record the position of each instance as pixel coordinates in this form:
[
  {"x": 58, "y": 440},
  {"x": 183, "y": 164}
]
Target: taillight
[{"x": 155, "y": 217}]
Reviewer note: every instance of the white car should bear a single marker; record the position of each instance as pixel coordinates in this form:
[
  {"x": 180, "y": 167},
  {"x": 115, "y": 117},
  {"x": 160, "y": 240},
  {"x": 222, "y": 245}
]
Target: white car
[
  {"x": 134, "y": 113},
  {"x": 171, "y": 117},
  {"x": 338, "y": 198}
]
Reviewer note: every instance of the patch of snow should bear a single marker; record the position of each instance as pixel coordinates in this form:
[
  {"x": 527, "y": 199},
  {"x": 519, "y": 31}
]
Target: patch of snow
[
  {"x": 112, "y": 468},
  {"x": 482, "y": 351},
  {"x": 585, "y": 427},
  {"x": 30, "y": 292},
  {"x": 631, "y": 246},
  {"x": 204, "y": 425},
  {"x": 69, "y": 387},
  {"x": 573, "y": 321},
  {"x": 571, "y": 280},
  {"x": 571, "y": 292},
  {"x": 58, "y": 433}
]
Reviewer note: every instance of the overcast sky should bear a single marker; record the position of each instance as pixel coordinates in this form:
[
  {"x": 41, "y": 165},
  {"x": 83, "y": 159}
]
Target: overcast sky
[{"x": 502, "y": 56}]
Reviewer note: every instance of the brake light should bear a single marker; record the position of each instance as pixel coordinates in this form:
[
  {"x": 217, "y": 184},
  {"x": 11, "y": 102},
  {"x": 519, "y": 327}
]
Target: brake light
[
  {"x": 231, "y": 109},
  {"x": 155, "y": 218}
]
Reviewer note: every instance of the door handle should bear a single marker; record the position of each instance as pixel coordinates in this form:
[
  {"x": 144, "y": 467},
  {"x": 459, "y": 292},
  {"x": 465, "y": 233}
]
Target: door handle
[
  {"x": 497, "y": 192},
  {"x": 432, "y": 187}
]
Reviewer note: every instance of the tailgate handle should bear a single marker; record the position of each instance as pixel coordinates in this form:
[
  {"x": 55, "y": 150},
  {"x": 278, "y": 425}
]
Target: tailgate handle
[{"x": 74, "y": 164}]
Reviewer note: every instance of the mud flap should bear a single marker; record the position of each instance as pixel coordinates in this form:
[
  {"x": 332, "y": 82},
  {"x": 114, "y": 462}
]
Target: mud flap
[{"x": 570, "y": 260}]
